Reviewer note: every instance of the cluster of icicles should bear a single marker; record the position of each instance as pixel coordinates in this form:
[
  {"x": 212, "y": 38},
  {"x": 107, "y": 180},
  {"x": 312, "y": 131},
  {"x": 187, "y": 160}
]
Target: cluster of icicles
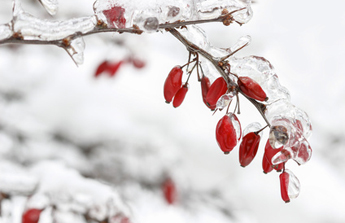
[{"x": 254, "y": 77}]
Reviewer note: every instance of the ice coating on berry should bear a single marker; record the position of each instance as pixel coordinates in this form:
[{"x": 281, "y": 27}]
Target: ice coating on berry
[
  {"x": 252, "y": 127},
  {"x": 224, "y": 100},
  {"x": 294, "y": 186},
  {"x": 115, "y": 17},
  {"x": 260, "y": 70},
  {"x": 268, "y": 155},
  {"x": 251, "y": 88}
]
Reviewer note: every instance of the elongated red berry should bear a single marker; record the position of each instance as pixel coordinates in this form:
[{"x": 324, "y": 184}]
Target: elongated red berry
[
  {"x": 169, "y": 191},
  {"x": 284, "y": 186},
  {"x": 138, "y": 63},
  {"x": 31, "y": 215},
  {"x": 205, "y": 86},
  {"x": 251, "y": 88},
  {"x": 115, "y": 16},
  {"x": 269, "y": 153},
  {"x": 172, "y": 83},
  {"x": 114, "y": 67},
  {"x": 266, "y": 165},
  {"x": 226, "y": 134},
  {"x": 180, "y": 95},
  {"x": 102, "y": 68},
  {"x": 216, "y": 90},
  {"x": 248, "y": 148}
]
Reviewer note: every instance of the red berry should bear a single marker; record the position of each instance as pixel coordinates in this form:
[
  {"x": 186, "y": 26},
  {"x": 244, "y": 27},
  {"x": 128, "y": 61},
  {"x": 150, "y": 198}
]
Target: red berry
[
  {"x": 113, "y": 68},
  {"x": 115, "y": 16},
  {"x": 226, "y": 134},
  {"x": 269, "y": 153},
  {"x": 251, "y": 88},
  {"x": 180, "y": 95},
  {"x": 169, "y": 191},
  {"x": 119, "y": 218},
  {"x": 248, "y": 148},
  {"x": 216, "y": 90},
  {"x": 284, "y": 185},
  {"x": 101, "y": 68},
  {"x": 205, "y": 86},
  {"x": 137, "y": 63},
  {"x": 172, "y": 83},
  {"x": 31, "y": 215},
  {"x": 266, "y": 165}
]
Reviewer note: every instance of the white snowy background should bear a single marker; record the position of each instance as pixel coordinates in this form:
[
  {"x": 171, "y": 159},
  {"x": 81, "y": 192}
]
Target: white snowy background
[{"x": 52, "y": 110}]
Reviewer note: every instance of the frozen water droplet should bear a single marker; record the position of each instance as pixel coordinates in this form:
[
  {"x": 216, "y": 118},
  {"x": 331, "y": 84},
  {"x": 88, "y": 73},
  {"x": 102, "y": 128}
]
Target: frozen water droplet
[
  {"x": 252, "y": 127},
  {"x": 278, "y": 136},
  {"x": 304, "y": 152},
  {"x": 151, "y": 24},
  {"x": 209, "y": 9},
  {"x": 5, "y": 31},
  {"x": 50, "y": 5},
  {"x": 76, "y": 50},
  {"x": 243, "y": 16},
  {"x": 224, "y": 101},
  {"x": 196, "y": 35},
  {"x": 294, "y": 186},
  {"x": 281, "y": 157},
  {"x": 237, "y": 125}
]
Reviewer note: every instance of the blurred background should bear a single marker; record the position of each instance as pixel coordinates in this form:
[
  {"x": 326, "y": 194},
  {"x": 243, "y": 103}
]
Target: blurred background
[{"x": 119, "y": 130}]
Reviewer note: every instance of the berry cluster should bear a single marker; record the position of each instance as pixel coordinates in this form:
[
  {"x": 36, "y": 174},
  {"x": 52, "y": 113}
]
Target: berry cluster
[{"x": 289, "y": 127}]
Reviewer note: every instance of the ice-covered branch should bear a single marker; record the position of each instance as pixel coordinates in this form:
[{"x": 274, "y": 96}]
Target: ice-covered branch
[{"x": 118, "y": 17}]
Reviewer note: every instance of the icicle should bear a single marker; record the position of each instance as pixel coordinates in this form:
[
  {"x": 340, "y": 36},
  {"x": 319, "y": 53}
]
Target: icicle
[
  {"x": 50, "y": 5},
  {"x": 5, "y": 31},
  {"x": 241, "y": 43},
  {"x": 76, "y": 50}
]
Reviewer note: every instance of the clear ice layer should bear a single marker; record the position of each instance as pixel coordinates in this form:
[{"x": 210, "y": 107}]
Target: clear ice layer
[
  {"x": 136, "y": 12},
  {"x": 5, "y": 31},
  {"x": 50, "y": 5},
  {"x": 294, "y": 186},
  {"x": 252, "y": 127},
  {"x": 32, "y": 28},
  {"x": 76, "y": 50},
  {"x": 260, "y": 70},
  {"x": 224, "y": 100}
]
